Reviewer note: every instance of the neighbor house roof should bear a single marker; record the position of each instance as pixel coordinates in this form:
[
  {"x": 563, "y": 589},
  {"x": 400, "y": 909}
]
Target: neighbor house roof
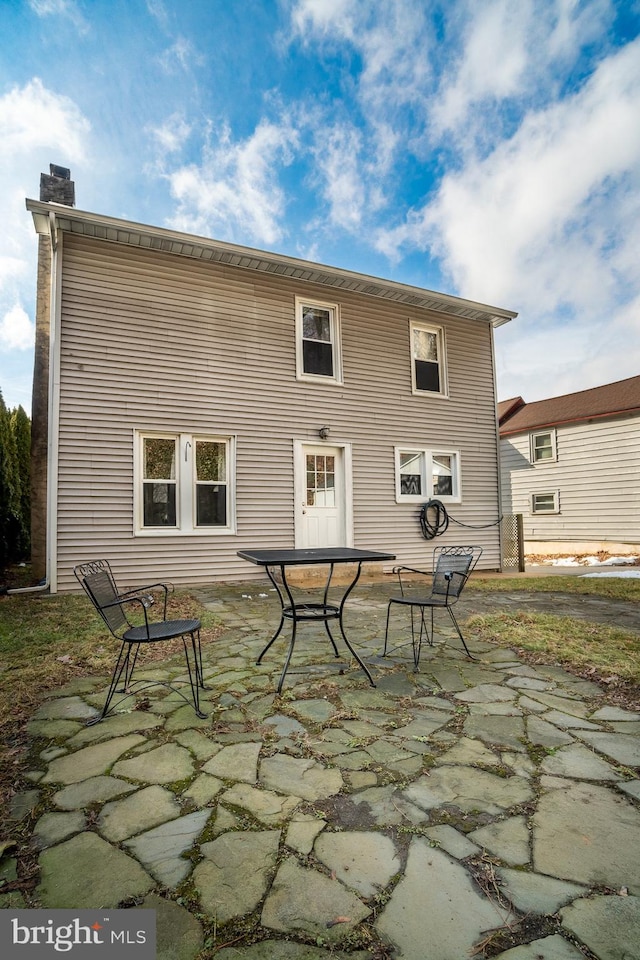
[
  {"x": 50, "y": 217},
  {"x": 613, "y": 399}
]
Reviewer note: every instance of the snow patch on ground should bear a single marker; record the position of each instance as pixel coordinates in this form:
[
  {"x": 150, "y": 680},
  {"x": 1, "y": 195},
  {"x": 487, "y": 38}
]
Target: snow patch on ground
[{"x": 632, "y": 560}]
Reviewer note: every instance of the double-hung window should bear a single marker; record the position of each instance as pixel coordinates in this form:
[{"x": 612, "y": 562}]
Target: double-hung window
[
  {"x": 543, "y": 446},
  {"x": 428, "y": 360},
  {"x": 184, "y": 483},
  {"x": 427, "y": 474},
  {"x": 318, "y": 350}
]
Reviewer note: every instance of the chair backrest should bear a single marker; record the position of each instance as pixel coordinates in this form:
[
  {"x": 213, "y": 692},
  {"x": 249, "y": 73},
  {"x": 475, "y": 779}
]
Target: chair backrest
[
  {"x": 97, "y": 581},
  {"x": 457, "y": 560}
]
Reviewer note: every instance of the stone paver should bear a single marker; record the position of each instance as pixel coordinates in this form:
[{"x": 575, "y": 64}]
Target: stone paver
[
  {"x": 341, "y": 820},
  {"x": 442, "y": 887},
  {"x": 233, "y": 877}
]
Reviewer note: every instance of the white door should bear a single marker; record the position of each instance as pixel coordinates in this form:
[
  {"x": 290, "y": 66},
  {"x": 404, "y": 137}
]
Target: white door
[{"x": 321, "y": 496}]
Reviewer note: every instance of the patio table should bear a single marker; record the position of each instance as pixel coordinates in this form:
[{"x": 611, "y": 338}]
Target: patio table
[{"x": 324, "y": 610}]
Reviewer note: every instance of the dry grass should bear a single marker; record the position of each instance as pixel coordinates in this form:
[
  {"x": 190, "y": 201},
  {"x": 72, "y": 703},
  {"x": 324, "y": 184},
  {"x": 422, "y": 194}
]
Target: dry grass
[
  {"x": 611, "y": 588},
  {"x": 609, "y": 653},
  {"x": 46, "y": 641}
]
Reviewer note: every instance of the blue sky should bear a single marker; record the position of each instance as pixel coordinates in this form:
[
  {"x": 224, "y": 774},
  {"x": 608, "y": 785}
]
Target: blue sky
[{"x": 485, "y": 148}]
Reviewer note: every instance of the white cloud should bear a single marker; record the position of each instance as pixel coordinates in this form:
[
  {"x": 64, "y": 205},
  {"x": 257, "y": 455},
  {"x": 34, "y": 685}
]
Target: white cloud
[
  {"x": 505, "y": 51},
  {"x": 235, "y": 188},
  {"x": 60, "y": 8},
  {"x": 181, "y": 55},
  {"x": 17, "y": 332},
  {"x": 32, "y": 117},
  {"x": 172, "y": 134},
  {"x": 38, "y": 126},
  {"x": 532, "y": 218},
  {"x": 339, "y": 166}
]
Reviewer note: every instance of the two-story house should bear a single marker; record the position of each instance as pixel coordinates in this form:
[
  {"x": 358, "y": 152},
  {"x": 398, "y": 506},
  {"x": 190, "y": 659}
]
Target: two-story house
[
  {"x": 571, "y": 467},
  {"x": 206, "y": 397}
]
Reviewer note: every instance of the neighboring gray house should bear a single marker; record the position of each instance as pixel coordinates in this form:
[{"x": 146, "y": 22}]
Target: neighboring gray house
[
  {"x": 206, "y": 397},
  {"x": 571, "y": 466}
]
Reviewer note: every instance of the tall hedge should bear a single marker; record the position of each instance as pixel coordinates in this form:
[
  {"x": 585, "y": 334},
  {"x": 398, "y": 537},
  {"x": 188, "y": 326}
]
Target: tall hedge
[{"x": 15, "y": 431}]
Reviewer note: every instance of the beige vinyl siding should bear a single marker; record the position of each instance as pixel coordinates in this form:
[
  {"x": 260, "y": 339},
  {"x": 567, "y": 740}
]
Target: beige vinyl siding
[
  {"x": 155, "y": 342},
  {"x": 597, "y": 476}
]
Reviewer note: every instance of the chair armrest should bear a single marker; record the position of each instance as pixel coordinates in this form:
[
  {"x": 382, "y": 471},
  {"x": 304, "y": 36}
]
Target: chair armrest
[
  {"x": 146, "y": 596},
  {"x": 400, "y": 570},
  {"x": 120, "y": 601}
]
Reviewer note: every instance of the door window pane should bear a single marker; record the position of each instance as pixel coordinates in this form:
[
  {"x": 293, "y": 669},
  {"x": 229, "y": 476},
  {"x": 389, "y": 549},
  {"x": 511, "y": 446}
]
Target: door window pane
[{"x": 321, "y": 481}]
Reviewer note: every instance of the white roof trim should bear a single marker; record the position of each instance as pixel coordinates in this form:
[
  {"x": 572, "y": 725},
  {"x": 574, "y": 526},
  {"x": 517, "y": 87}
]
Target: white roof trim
[{"x": 88, "y": 224}]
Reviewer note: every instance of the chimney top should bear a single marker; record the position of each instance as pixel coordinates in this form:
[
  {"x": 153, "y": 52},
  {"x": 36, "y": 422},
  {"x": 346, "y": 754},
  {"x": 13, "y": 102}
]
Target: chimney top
[{"x": 58, "y": 186}]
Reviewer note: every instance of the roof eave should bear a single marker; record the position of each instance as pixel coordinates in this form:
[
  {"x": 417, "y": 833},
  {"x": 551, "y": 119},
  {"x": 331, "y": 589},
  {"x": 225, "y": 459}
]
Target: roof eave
[{"x": 204, "y": 248}]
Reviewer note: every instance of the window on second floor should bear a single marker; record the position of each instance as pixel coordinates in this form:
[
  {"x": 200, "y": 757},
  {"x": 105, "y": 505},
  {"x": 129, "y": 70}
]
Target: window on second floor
[
  {"x": 428, "y": 360},
  {"x": 426, "y": 474},
  {"x": 318, "y": 349},
  {"x": 543, "y": 446},
  {"x": 184, "y": 483}
]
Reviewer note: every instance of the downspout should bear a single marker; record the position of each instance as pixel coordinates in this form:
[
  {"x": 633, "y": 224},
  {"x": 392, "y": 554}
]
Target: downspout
[{"x": 54, "y": 406}]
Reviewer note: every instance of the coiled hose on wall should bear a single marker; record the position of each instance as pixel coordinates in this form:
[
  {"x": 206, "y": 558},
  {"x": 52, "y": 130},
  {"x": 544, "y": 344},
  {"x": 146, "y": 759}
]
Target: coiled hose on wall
[{"x": 434, "y": 520}]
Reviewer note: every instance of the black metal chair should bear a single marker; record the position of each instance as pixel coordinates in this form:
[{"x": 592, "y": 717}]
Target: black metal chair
[
  {"x": 452, "y": 567},
  {"x": 97, "y": 581}
]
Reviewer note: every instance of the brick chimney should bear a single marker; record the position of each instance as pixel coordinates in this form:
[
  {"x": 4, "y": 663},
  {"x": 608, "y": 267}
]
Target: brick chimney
[{"x": 58, "y": 186}]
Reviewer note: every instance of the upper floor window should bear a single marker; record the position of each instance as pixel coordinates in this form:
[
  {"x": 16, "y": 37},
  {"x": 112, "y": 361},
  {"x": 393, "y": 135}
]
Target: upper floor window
[
  {"x": 428, "y": 366},
  {"x": 543, "y": 446},
  {"x": 184, "y": 483},
  {"x": 318, "y": 353},
  {"x": 427, "y": 474}
]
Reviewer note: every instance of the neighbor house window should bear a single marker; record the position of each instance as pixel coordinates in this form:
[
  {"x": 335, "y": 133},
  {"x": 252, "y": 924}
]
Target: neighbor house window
[
  {"x": 318, "y": 354},
  {"x": 427, "y": 474},
  {"x": 545, "y": 502},
  {"x": 184, "y": 483},
  {"x": 428, "y": 361},
  {"x": 543, "y": 446}
]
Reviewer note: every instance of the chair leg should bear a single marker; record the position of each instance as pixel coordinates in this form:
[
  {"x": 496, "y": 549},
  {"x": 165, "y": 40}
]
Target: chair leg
[
  {"x": 386, "y": 631},
  {"x": 122, "y": 666},
  {"x": 195, "y": 672},
  {"x": 455, "y": 623}
]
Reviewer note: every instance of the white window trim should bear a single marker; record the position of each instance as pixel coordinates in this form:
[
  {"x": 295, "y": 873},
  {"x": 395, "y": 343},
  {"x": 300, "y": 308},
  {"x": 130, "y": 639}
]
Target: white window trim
[
  {"x": 426, "y": 472},
  {"x": 336, "y": 341},
  {"x": 442, "y": 360},
  {"x": 185, "y": 486},
  {"x": 554, "y": 448},
  {"x": 546, "y": 493}
]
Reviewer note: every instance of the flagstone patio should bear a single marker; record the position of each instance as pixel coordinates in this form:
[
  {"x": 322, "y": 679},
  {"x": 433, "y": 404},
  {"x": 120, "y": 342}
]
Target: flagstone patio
[{"x": 489, "y": 806}]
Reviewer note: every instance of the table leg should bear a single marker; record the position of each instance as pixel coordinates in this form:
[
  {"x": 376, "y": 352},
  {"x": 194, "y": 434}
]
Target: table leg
[
  {"x": 282, "y": 605},
  {"x": 341, "y": 625}
]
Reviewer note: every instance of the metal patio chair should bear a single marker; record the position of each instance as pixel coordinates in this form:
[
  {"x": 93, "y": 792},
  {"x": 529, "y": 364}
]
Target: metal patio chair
[
  {"x": 117, "y": 610},
  {"x": 452, "y": 567}
]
